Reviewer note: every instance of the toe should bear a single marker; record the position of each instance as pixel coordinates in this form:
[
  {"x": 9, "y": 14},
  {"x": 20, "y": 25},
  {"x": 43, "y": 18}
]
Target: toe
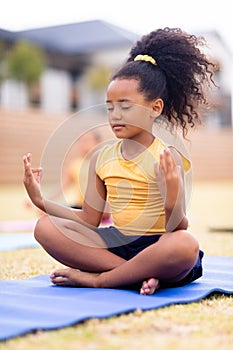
[
  {"x": 59, "y": 277},
  {"x": 149, "y": 287}
]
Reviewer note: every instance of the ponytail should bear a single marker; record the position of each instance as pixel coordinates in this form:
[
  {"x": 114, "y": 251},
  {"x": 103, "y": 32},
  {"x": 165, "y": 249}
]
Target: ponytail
[{"x": 169, "y": 65}]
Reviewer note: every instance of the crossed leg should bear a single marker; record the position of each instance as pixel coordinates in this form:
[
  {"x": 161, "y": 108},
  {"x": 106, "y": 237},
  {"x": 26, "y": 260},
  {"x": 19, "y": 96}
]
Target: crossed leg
[{"x": 76, "y": 246}]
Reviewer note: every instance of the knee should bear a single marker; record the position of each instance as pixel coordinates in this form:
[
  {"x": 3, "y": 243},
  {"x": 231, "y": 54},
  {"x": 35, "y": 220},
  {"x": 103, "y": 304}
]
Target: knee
[
  {"x": 183, "y": 248},
  {"x": 41, "y": 228},
  {"x": 188, "y": 247}
]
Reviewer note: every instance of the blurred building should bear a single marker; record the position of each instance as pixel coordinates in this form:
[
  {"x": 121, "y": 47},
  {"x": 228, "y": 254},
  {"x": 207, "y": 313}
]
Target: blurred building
[
  {"x": 222, "y": 114},
  {"x": 79, "y": 60}
]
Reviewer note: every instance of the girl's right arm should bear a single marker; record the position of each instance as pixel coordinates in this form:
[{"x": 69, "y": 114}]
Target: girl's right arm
[{"x": 94, "y": 202}]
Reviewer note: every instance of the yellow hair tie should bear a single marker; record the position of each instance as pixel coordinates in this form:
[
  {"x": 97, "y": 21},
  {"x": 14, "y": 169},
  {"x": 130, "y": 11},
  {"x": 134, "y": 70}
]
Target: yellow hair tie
[{"x": 146, "y": 58}]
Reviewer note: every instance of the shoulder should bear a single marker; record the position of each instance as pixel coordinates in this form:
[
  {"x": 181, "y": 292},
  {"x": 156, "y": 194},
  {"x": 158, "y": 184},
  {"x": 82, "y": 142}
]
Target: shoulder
[
  {"x": 104, "y": 155},
  {"x": 180, "y": 159},
  {"x": 157, "y": 147},
  {"x": 107, "y": 151}
]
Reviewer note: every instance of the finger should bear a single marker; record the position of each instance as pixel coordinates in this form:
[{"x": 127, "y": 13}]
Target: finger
[
  {"x": 156, "y": 168},
  {"x": 159, "y": 174},
  {"x": 26, "y": 161},
  {"x": 36, "y": 170},
  {"x": 25, "y": 157},
  {"x": 27, "y": 166},
  {"x": 179, "y": 169},
  {"x": 170, "y": 163},
  {"x": 38, "y": 175},
  {"x": 29, "y": 156},
  {"x": 163, "y": 165}
]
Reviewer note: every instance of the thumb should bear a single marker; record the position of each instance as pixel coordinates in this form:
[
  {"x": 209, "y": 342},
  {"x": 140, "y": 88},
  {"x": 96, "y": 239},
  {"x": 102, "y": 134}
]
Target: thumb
[
  {"x": 156, "y": 167},
  {"x": 179, "y": 169},
  {"x": 37, "y": 174}
]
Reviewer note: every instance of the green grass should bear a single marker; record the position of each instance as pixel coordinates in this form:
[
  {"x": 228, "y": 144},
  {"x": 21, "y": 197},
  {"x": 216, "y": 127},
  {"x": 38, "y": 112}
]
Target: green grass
[{"x": 206, "y": 324}]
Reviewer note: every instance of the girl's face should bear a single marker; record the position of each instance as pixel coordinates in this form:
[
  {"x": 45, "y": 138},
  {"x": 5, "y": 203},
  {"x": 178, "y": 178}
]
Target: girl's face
[{"x": 130, "y": 115}]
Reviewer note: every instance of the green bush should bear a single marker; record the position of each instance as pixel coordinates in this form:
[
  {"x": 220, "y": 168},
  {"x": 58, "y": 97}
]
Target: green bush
[{"x": 25, "y": 62}]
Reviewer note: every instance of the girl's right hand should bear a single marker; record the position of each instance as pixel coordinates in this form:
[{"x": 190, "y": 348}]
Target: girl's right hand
[{"x": 32, "y": 177}]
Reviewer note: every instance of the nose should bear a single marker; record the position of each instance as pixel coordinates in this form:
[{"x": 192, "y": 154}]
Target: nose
[{"x": 115, "y": 113}]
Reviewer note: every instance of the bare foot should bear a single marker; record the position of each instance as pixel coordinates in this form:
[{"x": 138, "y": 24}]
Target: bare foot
[
  {"x": 149, "y": 286},
  {"x": 73, "y": 277}
]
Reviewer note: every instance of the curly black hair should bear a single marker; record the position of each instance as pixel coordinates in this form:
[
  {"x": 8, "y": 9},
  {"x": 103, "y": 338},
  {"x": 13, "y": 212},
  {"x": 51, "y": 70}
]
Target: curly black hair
[{"x": 179, "y": 78}]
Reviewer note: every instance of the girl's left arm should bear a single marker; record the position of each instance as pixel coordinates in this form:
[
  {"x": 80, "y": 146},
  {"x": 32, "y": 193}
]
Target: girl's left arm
[{"x": 170, "y": 176}]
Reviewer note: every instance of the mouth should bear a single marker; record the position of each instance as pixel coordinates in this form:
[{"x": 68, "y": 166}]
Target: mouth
[{"x": 117, "y": 127}]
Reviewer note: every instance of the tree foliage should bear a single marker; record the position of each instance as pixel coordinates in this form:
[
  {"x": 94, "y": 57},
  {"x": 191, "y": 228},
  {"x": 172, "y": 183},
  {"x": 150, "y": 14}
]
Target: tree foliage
[
  {"x": 98, "y": 77},
  {"x": 25, "y": 62}
]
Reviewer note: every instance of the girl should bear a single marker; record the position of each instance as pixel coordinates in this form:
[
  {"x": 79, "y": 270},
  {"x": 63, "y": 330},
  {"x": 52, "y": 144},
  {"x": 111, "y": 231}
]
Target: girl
[{"x": 148, "y": 244}]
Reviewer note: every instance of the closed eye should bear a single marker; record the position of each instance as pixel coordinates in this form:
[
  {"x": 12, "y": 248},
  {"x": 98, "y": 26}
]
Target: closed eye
[
  {"x": 125, "y": 104},
  {"x": 122, "y": 105},
  {"x": 125, "y": 107},
  {"x": 109, "y": 106}
]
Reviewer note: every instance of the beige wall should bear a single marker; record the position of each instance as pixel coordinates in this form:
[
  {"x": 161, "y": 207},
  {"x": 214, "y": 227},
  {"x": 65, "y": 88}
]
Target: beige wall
[
  {"x": 211, "y": 151},
  {"x": 211, "y": 154}
]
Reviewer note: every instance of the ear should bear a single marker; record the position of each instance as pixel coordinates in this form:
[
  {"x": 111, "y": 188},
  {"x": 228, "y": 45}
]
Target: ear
[{"x": 157, "y": 106}]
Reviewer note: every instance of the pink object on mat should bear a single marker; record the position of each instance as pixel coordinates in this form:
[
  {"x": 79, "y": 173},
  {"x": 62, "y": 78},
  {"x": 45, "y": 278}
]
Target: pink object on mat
[{"x": 20, "y": 225}]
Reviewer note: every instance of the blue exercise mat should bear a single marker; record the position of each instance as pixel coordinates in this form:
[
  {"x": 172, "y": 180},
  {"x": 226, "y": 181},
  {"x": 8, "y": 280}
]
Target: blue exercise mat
[
  {"x": 35, "y": 304},
  {"x": 10, "y": 241}
]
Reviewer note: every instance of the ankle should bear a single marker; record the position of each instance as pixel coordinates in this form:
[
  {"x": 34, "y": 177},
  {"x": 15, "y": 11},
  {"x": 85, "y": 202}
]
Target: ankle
[
  {"x": 97, "y": 281},
  {"x": 100, "y": 280}
]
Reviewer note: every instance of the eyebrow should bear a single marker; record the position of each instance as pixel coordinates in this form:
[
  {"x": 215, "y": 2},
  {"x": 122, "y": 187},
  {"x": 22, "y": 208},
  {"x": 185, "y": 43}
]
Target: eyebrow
[{"x": 121, "y": 100}]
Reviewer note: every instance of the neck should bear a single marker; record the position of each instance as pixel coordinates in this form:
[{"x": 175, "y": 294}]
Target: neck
[{"x": 131, "y": 148}]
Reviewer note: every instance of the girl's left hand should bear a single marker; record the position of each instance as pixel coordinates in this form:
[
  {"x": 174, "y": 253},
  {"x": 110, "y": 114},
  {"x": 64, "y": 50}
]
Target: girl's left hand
[{"x": 170, "y": 180}]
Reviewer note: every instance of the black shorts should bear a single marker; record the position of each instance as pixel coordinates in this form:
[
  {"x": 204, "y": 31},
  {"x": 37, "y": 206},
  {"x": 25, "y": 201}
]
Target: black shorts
[{"x": 128, "y": 246}]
